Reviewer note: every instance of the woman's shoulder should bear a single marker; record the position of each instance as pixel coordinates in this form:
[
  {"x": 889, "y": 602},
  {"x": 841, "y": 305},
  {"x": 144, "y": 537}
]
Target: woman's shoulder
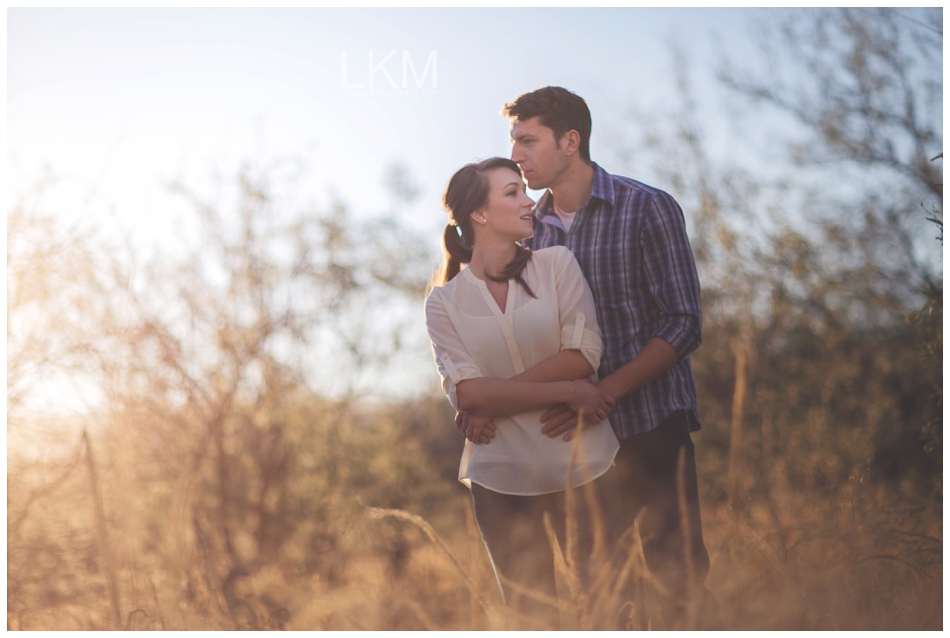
[
  {"x": 556, "y": 257},
  {"x": 552, "y": 252},
  {"x": 442, "y": 294}
]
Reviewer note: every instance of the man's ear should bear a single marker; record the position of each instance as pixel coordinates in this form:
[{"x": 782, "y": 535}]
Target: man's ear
[{"x": 571, "y": 141}]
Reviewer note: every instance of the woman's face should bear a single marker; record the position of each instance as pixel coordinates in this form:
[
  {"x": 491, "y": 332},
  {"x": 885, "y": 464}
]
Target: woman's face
[{"x": 507, "y": 213}]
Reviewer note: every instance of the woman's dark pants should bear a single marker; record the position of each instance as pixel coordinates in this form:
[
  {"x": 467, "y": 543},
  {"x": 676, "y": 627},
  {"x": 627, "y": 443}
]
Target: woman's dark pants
[{"x": 513, "y": 530}]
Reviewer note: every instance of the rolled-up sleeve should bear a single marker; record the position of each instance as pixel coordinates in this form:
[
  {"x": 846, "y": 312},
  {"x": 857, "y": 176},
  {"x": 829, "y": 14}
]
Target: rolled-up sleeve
[
  {"x": 452, "y": 360},
  {"x": 575, "y": 303},
  {"x": 671, "y": 275}
]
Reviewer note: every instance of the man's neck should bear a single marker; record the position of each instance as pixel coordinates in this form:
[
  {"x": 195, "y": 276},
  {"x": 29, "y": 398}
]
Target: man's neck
[{"x": 572, "y": 190}]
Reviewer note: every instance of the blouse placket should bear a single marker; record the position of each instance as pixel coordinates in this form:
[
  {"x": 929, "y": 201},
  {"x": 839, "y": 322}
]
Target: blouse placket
[{"x": 505, "y": 319}]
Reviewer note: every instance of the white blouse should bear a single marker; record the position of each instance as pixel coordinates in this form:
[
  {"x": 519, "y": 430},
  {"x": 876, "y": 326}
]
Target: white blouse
[{"x": 472, "y": 337}]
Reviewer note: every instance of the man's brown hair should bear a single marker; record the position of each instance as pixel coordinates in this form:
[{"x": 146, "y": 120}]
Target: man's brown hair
[{"x": 558, "y": 109}]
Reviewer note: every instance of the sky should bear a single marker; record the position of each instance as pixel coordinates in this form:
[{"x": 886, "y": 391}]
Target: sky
[{"x": 116, "y": 104}]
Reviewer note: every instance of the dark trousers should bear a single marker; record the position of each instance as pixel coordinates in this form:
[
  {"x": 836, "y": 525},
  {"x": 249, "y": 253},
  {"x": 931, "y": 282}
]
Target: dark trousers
[
  {"x": 652, "y": 481},
  {"x": 512, "y": 528}
]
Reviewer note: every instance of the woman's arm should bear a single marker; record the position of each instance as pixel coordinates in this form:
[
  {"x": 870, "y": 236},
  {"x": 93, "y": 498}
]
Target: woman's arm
[
  {"x": 579, "y": 355},
  {"x": 501, "y": 397},
  {"x": 566, "y": 365},
  {"x": 580, "y": 345}
]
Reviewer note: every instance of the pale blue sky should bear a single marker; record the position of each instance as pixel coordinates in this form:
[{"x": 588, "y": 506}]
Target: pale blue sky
[
  {"x": 119, "y": 101},
  {"x": 116, "y": 103}
]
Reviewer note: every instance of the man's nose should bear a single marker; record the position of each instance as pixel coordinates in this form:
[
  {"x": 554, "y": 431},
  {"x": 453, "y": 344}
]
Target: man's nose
[{"x": 516, "y": 155}]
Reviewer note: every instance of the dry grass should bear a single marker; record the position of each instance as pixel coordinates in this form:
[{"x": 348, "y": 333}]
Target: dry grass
[{"x": 855, "y": 559}]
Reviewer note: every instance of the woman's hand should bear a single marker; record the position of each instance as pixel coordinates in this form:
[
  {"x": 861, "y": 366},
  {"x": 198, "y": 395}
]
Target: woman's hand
[
  {"x": 477, "y": 429},
  {"x": 595, "y": 403}
]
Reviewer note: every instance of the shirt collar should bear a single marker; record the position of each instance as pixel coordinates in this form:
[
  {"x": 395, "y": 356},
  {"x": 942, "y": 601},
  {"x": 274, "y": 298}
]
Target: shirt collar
[{"x": 602, "y": 188}]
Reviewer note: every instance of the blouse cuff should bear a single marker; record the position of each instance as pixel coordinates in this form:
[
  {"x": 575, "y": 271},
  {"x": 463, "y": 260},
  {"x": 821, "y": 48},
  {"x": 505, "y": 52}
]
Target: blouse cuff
[
  {"x": 457, "y": 375},
  {"x": 454, "y": 376},
  {"x": 588, "y": 342}
]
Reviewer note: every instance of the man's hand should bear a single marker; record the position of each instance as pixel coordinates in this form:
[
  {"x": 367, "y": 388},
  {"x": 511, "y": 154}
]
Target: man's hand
[
  {"x": 477, "y": 429},
  {"x": 595, "y": 403},
  {"x": 559, "y": 420},
  {"x": 562, "y": 418}
]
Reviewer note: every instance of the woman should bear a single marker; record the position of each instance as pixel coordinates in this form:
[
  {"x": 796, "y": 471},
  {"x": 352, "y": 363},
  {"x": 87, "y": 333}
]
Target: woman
[{"x": 513, "y": 334}]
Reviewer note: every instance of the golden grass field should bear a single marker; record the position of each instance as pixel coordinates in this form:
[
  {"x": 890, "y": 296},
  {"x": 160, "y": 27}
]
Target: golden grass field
[{"x": 392, "y": 545}]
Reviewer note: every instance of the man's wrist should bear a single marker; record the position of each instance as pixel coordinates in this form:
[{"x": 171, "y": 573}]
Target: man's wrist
[{"x": 610, "y": 386}]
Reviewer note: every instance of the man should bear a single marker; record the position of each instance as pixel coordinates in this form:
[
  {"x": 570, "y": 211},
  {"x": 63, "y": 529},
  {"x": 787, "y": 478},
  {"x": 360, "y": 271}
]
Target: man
[{"x": 630, "y": 240}]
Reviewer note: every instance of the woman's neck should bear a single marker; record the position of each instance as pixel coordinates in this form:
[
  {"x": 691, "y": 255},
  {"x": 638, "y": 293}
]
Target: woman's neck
[{"x": 491, "y": 257}]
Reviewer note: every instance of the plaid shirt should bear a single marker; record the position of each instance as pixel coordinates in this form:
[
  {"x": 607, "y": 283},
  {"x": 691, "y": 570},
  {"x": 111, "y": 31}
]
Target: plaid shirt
[{"x": 630, "y": 240}]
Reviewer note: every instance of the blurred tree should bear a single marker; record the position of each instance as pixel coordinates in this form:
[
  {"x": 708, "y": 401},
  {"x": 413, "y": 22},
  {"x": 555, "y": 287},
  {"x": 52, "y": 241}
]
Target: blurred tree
[
  {"x": 220, "y": 347},
  {"x": 56, "y": 280},
  {"x": 817, "y": 356},
  {"x": 868, "y": 85},
  {"x": 211, "y": 360}
]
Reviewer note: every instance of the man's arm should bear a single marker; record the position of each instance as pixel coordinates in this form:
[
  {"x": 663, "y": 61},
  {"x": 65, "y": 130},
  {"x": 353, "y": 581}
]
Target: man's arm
[
  {"x": 654, "y": 360},
  {"x": 669, "y": 273}
]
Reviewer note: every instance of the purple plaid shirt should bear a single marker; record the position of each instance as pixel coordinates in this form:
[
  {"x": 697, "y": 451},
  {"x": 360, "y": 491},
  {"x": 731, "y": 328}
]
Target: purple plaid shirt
[{"x": 630, "y": 240}]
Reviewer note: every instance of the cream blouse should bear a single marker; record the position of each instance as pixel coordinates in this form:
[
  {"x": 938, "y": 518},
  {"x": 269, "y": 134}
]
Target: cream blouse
[{"x": 472, "y": 337}]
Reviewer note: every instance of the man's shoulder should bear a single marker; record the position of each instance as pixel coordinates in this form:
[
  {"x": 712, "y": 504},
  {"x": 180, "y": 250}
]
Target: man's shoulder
[
  {"x": 628, "y": 183},
  {"x": 628, "y": 186}
]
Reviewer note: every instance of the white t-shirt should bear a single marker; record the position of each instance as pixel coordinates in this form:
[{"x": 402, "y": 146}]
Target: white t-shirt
[
  {"x": 472, "y": 337},
  {"x": 567, "y": 219}
]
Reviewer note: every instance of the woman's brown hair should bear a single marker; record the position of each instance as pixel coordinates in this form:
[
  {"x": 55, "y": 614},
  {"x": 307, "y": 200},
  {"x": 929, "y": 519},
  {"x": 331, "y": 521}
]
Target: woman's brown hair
[{"x": 466, "y": 193}]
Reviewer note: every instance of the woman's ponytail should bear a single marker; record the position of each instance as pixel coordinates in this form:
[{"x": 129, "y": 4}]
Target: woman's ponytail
[{"x": 456, "y": 251}]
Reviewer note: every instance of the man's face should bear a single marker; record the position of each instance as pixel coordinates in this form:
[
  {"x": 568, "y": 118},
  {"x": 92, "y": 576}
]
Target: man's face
[{"x": 537, "y": 152}]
